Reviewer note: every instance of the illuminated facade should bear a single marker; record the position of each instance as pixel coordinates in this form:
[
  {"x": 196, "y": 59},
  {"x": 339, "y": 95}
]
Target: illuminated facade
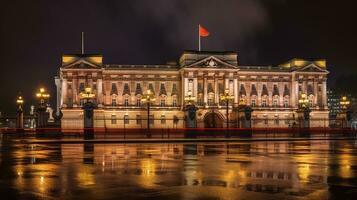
[{"x": 271, "y": 91}]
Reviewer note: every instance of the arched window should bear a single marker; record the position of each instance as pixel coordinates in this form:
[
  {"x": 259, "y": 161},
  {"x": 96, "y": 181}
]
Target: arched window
[
  {"x": 126, "y": 100},
  {"x": 286, "y": 101},
  {"x": 174, "y": 100},
  {"x": 253, "y": 101},
  {"x": 264, "y": 101},
  {"x": 138, "y": 100},
  {"x": 163, "y": 100},
  {"x": 114, "y": 100},
  {"x": 275, "y": 101}
]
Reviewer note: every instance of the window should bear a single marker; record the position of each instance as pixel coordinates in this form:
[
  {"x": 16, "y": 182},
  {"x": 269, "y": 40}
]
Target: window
[
  {"x": 300, "y": 88},
  {"x": 163, "y": 119},
  {"x": 174, "y": 102},
  {"x": 200, "y": 101},
  {"x": 138, "y": 102},
  {"x": 70, "y": 102},
  {"x": 94, "y": 86},
  {"x": 138, "y": 119},
  {"x": 190, "y": 85},
  {"x": 275, "y": 102},
  {"x": 114, "y": 101},
  {"x": 276, "y": 120},
  {"x": 126, "y": 101},
  {"x": 231, "y": 87},
  {"x": 162, "y": 102},
  {"x": 126, "y": 119},
  {"x": 114, "y": 119},
  {"x": 210, "y": 102},
  {"x": 81, "y": 87},
  {"x": 286, "y": 103},
  {"x": 264, "y": 103},
  {"x": 253, "y": 103},
  {"x": 151, "y": 119}
]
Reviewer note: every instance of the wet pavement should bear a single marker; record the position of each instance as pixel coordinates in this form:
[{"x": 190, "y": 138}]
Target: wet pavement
[{"x": 309, "y": 169}]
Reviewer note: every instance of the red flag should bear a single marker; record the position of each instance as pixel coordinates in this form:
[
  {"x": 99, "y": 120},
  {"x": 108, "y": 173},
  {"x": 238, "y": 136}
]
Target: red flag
[{"x": 203, "y": 31}]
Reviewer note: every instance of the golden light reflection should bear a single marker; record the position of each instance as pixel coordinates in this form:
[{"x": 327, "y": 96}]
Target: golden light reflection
[
  {"x": 148, "y": 177},
  {"x": 304, "y": 166},
  {"x": 85, "y": 176},
  {"x": 345, "y": 166}
]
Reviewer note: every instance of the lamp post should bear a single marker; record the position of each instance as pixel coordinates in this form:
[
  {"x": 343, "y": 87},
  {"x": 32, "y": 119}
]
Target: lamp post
[
  {"x": 190, "y": 110},
  {"x": 190, "y": 99},
  {"x": 87, "y": 95},
  {"x": 227, "y": 97},
  {"x": 20, "y": 114},
  {"x": 344, "y": 102},
  {"x": 305, "y": 109},
  {"x": 148, "y": 98},
  {"x": 42, "y": 118},
  {"x": 88, "y": 106},
  {"x": 43, "y": 97},
  {"x": 345, "y": 113},
  {"x": 303, "y": 101}
]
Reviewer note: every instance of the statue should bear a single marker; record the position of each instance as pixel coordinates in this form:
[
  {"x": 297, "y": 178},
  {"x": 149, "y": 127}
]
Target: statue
[
  {"x": 49, "y": 110},
  {"x": 32, "y": 117}
]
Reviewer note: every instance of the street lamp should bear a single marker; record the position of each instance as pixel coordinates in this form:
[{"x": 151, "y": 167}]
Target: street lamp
[
  {"x": 88, "y": 107},
  {"x": 42, "y": 117},
  {"x": 305, "y": 110},
  {"x": 20, "y": 113},
  {"x": 344, "y": 102},
  {"x": 227, "y": 97},
  {"x": 42, "y": 96},
  {"x": 149, "y": 98},
  {"x": 190, "y": 99},
  {"x": 87, "y": 95},
  {"x": 303, "y": 101}
]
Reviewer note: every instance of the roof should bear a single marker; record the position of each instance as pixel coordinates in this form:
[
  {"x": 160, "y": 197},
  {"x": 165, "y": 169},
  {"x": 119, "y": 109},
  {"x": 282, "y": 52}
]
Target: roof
[{"x": 135, "y": 67}]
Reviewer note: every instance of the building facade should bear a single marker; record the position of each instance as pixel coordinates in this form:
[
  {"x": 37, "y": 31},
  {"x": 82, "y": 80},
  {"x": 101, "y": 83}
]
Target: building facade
[{"x": 271, "y": 91}]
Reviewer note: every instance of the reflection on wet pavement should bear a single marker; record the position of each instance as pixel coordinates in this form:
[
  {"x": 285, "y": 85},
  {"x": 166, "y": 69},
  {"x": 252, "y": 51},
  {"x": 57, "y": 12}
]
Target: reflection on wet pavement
[{"x": 248, "y": 170}]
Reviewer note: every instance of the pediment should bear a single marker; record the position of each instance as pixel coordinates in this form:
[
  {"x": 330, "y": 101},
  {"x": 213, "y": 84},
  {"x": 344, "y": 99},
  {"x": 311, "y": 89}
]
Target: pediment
[
  {"x": 311, "y": 68},
  {"x": 211, "y": 62},
  {"x": 81, "y": 64}
]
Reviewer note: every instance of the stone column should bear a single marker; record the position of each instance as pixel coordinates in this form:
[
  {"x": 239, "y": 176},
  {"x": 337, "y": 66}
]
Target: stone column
[
  {"x": 216, "y": 91},
  {"x": 194, "y": 92},
  {"x": 75, "y": 86},
  {"x": 324, "y": 95},
  {"x": 64, "y": 97},
  {"x": 235, "y": 82},
  {"x": 294, "y": 91},
  {"x": 100, "y": 92},
  {"x": 205, "y": 88},
  {"x": 259, "y": 88},
  {"x": 316, "y": 93},
  {"x": 185, "y": 86},
  {"x": 226, "y": 83}
]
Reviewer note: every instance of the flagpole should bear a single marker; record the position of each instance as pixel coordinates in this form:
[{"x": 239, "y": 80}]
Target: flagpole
[{"x": 199, "y": 38}]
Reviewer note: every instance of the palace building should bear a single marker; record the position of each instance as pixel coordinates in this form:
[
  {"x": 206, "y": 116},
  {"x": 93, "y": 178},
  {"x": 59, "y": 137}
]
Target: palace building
[{"x": 272, "y": 92}]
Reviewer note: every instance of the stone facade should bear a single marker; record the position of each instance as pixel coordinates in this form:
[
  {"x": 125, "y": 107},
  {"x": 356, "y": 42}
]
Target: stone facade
[{"x": 272, "y": 91}]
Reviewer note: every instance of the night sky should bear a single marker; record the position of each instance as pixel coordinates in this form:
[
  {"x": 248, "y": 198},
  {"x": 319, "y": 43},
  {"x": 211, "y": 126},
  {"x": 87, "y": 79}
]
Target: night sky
[{"x": 35, "y": 33}]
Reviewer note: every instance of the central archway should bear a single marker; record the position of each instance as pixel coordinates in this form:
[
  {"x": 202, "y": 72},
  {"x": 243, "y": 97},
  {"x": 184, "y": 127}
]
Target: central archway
[{"x": 213, "y": 120}]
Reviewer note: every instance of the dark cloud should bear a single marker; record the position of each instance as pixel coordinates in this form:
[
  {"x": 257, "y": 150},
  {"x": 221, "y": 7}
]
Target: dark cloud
[{"x": 34, "y": 34}]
